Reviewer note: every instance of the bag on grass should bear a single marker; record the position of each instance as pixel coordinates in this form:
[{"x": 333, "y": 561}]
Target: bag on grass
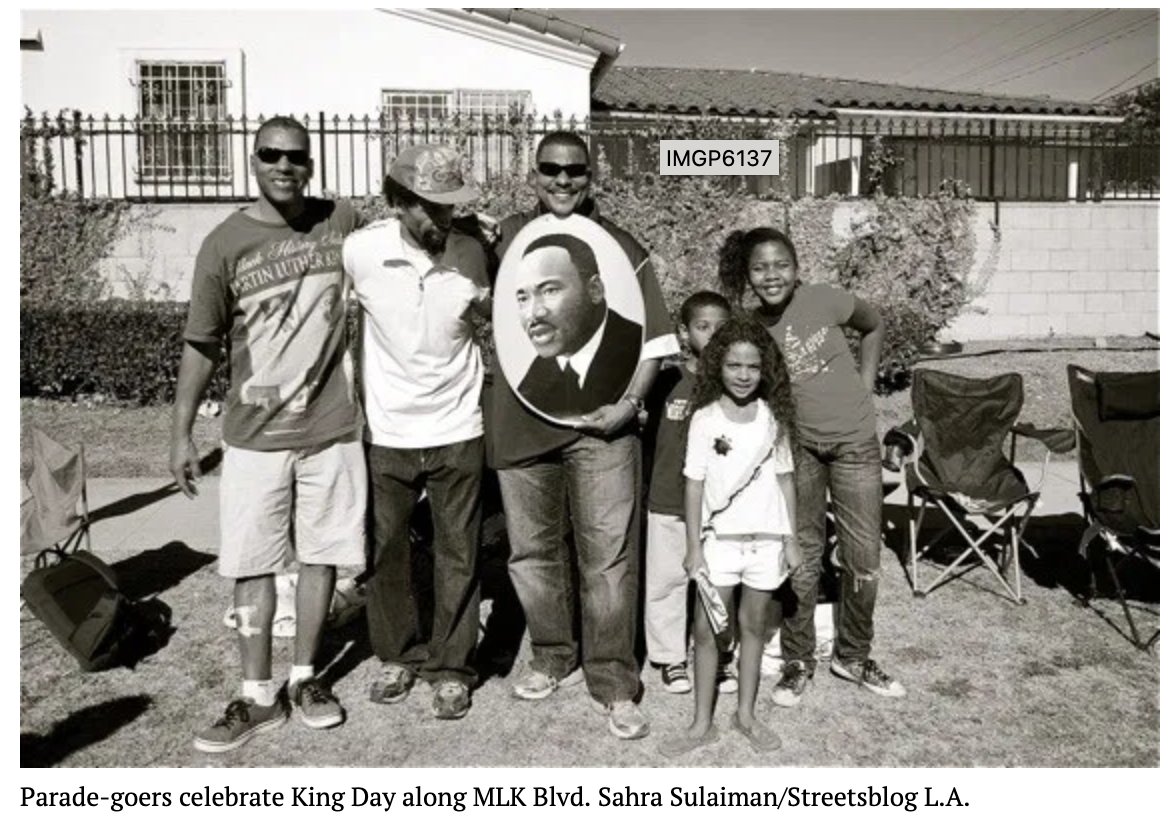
[{"x": 76, "y": 595}]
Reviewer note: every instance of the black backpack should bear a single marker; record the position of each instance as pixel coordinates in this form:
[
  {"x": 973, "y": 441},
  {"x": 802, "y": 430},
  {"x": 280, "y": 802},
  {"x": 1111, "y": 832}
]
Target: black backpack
[{"x": 77, "y": 596}]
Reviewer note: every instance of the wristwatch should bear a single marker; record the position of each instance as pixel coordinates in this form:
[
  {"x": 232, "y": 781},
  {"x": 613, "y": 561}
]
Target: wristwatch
[{"x": 640, "y": 411}]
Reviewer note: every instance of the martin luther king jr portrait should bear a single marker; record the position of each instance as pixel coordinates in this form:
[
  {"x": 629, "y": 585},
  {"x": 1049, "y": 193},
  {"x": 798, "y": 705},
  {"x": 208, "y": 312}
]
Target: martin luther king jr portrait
[{"x": 586, "y": 352}]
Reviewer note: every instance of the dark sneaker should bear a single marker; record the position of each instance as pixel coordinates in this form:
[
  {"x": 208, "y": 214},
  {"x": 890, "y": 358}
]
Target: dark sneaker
[
  {"x": 316, "y": 704},
  {"x": 242, "y": 720},
  {"x": 535, "y": 686},
  {"x": 726, "y": 673},
  {"x": 451, "y": 701},
  {"x": 867, "y": 674},
  {"x": 626, "y": 719},
  {"x": 787, "y": 692},
  {"x": 675, "y": 678},
  {"x": 394, "y": 684}
]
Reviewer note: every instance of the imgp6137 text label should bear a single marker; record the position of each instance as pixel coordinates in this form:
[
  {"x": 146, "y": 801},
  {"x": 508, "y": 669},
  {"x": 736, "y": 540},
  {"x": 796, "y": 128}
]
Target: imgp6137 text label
[{"x": 684, "y": 157}]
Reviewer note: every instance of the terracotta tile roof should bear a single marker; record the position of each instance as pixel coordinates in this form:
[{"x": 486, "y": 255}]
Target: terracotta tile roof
[
  {"x": 548, "y": 24},
  {"x": 781, "y": 94}
]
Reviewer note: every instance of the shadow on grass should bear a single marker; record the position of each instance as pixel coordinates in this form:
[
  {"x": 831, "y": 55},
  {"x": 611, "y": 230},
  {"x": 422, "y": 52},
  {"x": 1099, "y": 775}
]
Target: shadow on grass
[
  {"x": 81, "y": 729},
  {"x": 134, "y": 503},
  {"x": 154, "y": 571},
  {"x": 1049, "y": 556}
]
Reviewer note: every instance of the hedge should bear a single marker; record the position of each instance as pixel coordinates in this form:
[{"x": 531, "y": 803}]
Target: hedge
[
  {"x": 121, "y": 350},
  {"x": 911, "y": 257}
]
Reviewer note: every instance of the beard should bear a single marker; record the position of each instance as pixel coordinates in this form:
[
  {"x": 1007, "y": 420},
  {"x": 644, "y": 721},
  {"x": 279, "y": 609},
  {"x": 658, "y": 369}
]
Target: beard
[{"x": 434, "y": 240}]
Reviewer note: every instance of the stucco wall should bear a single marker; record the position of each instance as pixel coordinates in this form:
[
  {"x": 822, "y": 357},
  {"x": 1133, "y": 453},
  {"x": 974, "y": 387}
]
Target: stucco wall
[{"x": 295, "y": 62}]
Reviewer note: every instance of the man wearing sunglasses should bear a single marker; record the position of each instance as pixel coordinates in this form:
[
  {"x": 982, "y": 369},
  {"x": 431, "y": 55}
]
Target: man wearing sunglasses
[
  {"x": 270, "y": 279},
  {"x": 419, "y": 281},
  {"x": 592, "y": 470}
]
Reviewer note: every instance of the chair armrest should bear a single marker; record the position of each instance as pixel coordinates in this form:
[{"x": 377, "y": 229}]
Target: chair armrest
[
  {"x": 1055, "y": 440},
  {"x": 898, "y": 444}
]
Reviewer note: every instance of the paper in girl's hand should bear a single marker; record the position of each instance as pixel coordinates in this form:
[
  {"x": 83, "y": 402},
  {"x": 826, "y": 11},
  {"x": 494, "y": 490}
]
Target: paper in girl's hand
[{"x": 714, "y": 608}]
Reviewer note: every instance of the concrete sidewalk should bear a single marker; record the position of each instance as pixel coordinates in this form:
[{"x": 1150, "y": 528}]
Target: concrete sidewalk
[{"x": 136, "y": 514}]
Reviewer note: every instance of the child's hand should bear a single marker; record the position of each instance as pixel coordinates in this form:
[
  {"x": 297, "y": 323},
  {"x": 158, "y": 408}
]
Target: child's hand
[
  {"x": 694, "y": 562},
  {"x": 791, "y": 555}
]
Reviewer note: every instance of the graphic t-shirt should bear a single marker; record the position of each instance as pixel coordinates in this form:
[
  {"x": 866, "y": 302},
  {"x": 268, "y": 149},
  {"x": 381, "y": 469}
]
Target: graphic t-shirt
[
  {"x": 278, "y": 291},
  {"x": 670, "y": 398},
  {"x": 832, "y": 405}
]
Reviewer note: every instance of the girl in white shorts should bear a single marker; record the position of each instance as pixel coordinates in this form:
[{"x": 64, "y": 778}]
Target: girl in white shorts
[{"x": 738, "y": 512}]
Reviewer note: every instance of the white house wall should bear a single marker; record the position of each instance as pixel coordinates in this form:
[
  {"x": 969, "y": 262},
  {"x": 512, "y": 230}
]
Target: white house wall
[{"x": 286, "y": 61}]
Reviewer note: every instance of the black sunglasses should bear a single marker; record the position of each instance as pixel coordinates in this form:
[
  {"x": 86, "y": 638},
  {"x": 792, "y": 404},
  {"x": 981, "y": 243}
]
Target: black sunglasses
[
  {"x": 271, "y": 156},
  {"x": 573, "y": 170}
]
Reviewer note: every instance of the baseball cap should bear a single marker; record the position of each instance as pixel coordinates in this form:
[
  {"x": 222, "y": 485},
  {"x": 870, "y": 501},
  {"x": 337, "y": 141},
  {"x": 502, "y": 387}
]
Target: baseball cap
[{"x": 433, "y": 173}]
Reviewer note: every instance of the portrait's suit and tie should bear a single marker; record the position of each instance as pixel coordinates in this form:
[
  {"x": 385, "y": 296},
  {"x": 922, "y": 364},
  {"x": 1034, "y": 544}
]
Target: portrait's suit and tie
[{"x": 560, "y": 394}]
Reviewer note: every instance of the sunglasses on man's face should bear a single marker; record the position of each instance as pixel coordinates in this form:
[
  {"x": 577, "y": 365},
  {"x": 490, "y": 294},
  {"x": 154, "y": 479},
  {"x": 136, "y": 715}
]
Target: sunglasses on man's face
[
  {"x": 271, "y": 156},
  {"x": 573, "y": 170}
]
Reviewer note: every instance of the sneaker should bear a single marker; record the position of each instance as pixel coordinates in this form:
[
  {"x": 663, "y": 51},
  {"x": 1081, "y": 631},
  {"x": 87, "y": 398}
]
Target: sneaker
[
  {"x": 867, "y": 674},
  {"x": 242, "y": 720},
  {"x": 535, "y": 686},
  {"x": 393, "y": 685},
  {"x": 451, "y": 701},
  {"x": 626, "y": 719},
  {"x": 317, "y": 705},
  {"x": 675, "y": 678},
  {"x": 726, "y": 674},
  {"x": 787, "y": 692}
]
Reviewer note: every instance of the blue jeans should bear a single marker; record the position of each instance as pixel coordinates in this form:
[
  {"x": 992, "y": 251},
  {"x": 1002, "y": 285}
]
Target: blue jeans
[
  {"x": 594, "y": 482},
  {"x": 851, "y": 471},
  {"x": 451, "y": 475}
]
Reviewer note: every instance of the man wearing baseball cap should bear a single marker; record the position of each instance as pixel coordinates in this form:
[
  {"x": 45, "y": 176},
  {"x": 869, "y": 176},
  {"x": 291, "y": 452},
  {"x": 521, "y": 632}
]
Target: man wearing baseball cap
[{"x": 418, "y": 281}]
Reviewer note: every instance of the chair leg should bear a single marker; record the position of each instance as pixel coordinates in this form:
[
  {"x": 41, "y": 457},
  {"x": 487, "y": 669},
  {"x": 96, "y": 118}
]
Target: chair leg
[{"x": 912, "y": 548}]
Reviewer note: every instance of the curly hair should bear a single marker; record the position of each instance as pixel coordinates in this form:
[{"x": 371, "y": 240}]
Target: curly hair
[
  {"x": 774, "y": 388},
  {"x": 733, "y": 269}
]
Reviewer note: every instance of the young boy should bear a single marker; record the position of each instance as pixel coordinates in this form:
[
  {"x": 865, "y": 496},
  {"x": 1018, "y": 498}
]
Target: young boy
[{"x": 666, "y": 610}]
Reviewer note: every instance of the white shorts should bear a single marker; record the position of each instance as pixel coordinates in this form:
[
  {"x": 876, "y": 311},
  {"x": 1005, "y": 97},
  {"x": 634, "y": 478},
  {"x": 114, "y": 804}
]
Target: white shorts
[
  {"x": 752, "y": 561},
  {"x": 317, "y": 495}
]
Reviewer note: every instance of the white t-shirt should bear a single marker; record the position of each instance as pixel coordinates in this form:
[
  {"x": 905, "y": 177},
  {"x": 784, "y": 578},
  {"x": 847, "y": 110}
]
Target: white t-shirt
[
  {"x": 421, "y": 369},
  {"x": 722, "y": 454}
]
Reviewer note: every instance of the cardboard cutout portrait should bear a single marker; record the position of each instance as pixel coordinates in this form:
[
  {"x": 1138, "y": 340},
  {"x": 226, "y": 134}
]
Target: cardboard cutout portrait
[{"x": 567, "y": 317}]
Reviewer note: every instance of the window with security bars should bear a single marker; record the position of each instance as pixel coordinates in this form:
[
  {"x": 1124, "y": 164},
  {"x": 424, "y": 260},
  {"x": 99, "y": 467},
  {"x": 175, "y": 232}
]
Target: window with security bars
[
  {"x": 181, "y": 105},
  {"x": 428, "y": 105},
  {"x": 421, "y": 116}
]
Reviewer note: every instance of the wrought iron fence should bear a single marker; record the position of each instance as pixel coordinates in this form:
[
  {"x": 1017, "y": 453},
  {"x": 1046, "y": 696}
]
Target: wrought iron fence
[{"x": 188, "y": 160}]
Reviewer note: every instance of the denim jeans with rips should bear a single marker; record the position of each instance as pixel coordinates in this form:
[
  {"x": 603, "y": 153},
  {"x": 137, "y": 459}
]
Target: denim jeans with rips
[
  {"x": 592, "y": 481},
  {"x": 851, "y": 471},
  {"x": 451, "y": 474}
]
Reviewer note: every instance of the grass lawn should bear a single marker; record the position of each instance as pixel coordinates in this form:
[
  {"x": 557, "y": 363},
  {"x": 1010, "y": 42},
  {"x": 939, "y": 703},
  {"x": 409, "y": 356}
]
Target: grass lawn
[{"x": 1049, "y": 683}]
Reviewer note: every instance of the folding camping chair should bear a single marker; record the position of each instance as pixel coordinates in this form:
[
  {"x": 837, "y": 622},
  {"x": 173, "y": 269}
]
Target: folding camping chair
[
  {"x": 953, "y": 460},
  {"x": 54, "y": 510},
  {"x": 1117, "y": 427}
]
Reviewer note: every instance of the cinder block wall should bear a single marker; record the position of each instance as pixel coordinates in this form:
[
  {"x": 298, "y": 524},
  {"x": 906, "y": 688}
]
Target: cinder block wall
[
  {"x": 156, "y": 259},
  {"x": 1062, "y": 269},
  {"x": 1066, "y": 269}
]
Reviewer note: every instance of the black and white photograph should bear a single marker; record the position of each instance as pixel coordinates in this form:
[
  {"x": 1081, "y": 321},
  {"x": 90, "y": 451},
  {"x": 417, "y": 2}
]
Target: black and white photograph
[
  {"x": 399, "y": 388},
  {"x": 567, "y": 318}
]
